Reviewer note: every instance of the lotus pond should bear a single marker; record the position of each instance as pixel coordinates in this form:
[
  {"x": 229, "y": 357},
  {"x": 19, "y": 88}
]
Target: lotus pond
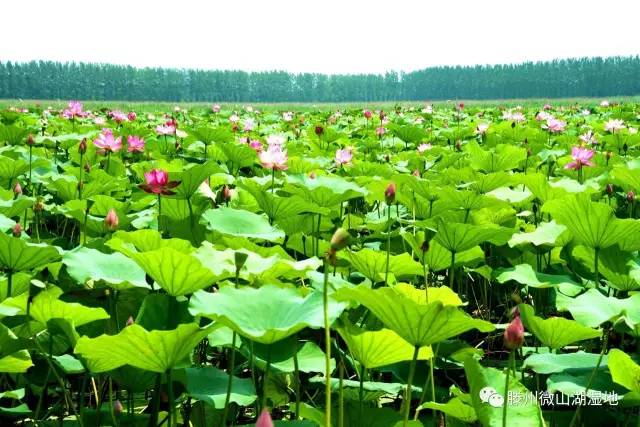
[{"x": 417, "y": 266}]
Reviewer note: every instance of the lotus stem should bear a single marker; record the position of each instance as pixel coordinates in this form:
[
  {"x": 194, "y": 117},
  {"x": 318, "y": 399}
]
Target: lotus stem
[
  {"x": 111, "y": 407},
  {"x": 506, "y": 388},
  {"x": 452, "y": 269},
  {"x": 230, "y": 368},
  {"x": 386, "y": 271},
  {"x": 596, "y": 255},
  {"x": 9, "y": 282},
  {"x": 265, "y": 378},
  {"x": 363, "y": 374},
  {"x": 341, "y": 395},
  {"x": 172, "y": 418},
  {"x": 327, "y": 344},
  {"x": 296, "y": 374},
  {"x": 30, "y": 158},
  {"x": 407, "y": 393}
]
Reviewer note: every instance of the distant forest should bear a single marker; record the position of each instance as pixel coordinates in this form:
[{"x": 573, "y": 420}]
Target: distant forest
[{"x": 588, "y": 77}]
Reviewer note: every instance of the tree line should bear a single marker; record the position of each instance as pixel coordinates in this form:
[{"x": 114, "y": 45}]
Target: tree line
[{"x": 576, "y": 77}]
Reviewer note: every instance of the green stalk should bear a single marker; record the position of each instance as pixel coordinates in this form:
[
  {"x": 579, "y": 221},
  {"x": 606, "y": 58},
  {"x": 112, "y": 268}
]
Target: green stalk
[
  {"x": 30, "y": 158},
  {"x": 265, "y": 378},
  {"x": 407, "y": 393},
  {"x": 596, "y": 255},
  {"x": 172, "y": 419},
  {"x": 296, "y": 374},
  {"x": 363, "y": 373},
  {"x": 230, "y": 368},
  {"x": 191, "y": 219},
  {"x": 452, "y": 268},
  {"x": 425, "y": 271},
  {"x": 159, "y": 213},
  {"x": 112, "y": 410},
  {"x": 327, "y": 344},
  {"x": 506, "y": 389},
  {"x": 273, "y": 178},
  {"x": 79, "y": 182},
  {"x": 9, "y": 282},
  {"x": 341, "y": 396},
  {"x": 386, "y": 272}
]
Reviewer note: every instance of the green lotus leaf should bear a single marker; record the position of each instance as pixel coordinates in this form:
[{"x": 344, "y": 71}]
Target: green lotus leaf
[
  {"x": 115, "y": 269},
  {"x": 372, "y": 390},
  {"x": 546, "y": 234},
  {"x": 18, "y": 255},
  {"x": 156, "y": 351},
  {"x": 240, "y": 155},
  {"x": 576, "y": 384},
  {"x": 594, "y": 224},
  {"x": 209, "y": 384},
  {"x": 552, "y": 363},
  {"x": 372, "y": 264},
  {"x": 236, "y": 222},
  {"x": 525, "y": 414},
  {"x": 456, "y": 237},
  {"x": 13, "y": 358},
  {"x": 418, "y": 324},
  {"x": 621, "y": 269},
  {"x": 281, "y": 356},
  {"x": 437, "y": 258},
  {"x": 176, "y": 272},
  {"x": 191, "y": 178},
  {"x": 14, "y": 208},
  {"x": 459, "y": 407},
  {"x": 526, "y": 275},
  {"x": 128, "y": 242},
  {"x": 277, "y": 207},
  {"x": 624, "y": 370},
  {"x": 6, "y": 224},
  {"x": 379, "y": 348},
  {"x": 325, "y": 191},
  {"x": 593, "y": 309},
  {"x": 555, "y": 332},
  {"x": 265, "y": 315},
  {"x": 47, "y": 305}
]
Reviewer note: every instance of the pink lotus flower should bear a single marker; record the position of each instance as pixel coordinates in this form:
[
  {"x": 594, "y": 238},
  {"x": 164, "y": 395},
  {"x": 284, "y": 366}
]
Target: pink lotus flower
[
  {"x": 554, "y": 125},
  {"x": 248, "y": 125},
  {"x": 274, "y": 158},
  {"x": 215, "y": 108},
  {"x": 614, "y": 125},
  {"x": 482, "y": 128},
  {"x": 256, "y": 144},
  {"x": 157, "y": 182},
  {"x": 367, "y": 114},
  {"x": 543, "y": 116},
  {"x": 74, "y": 110},
  {"x": 380, "y": 131},
  {"x": 546, "y": 107},
  {"x": 135, "y": 144},
  {"x": 343, "y": 157},
  {"x": 589, "y": 138},
  {"x": 132, "y": 116},
  {"x": 107, "y": 143},
  {"x": 276, "y": 140},
  {"x": 581, "y": 157},
  {"x": 165, "y": 129},
  {"x": 424, "y": 147},
  {"x": 118, "y": 116},
  {"x": 264, "y": 420}
]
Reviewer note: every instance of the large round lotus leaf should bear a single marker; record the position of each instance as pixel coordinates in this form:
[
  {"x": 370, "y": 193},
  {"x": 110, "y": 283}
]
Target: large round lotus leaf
[
  {"x": 592, "y": 308},
  {"x": 419, "y": 324},
  {"x": 624, "y": 370},
  {"x": 372, "y": 264},
  {"x": 209, "y": 384},
  {"x": 156, "y": 351},
  {"x": 114, "y": 269},
  {"x": 18, "y": 255},
  {"x": 47, "y": 305},
  {"x": 555, "y": 332},
  {"x": 242, "y": 223},
  {"x": 265, "y": 315}
]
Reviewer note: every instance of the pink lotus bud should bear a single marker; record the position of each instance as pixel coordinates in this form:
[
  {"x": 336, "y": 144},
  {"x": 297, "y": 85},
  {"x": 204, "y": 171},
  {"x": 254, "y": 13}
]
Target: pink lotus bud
[
  {"x": 226, "y": 193},
  {"x": 30, "y": 140},
  {"x": 390, "y": 193},
  {"x": 514, "y": 334},
  {"x": 17, "y": 230},
  {"x": 416, "y": 173},
  {"x": 111, "y": 220},
  {"x": 132, "y": 116},
  {"x": 319, "y": 130},
  {"x": 82, "y": 147},
  {"x": 130, "y": 321},
  {"x": 631, "y": 197},
  {"x": 17, "y": 189},
  {"x": 265, "y": 419},
  {"x": 367, "y": 114},
  {"x": 609, "y": 189},
  {"x": 117, "y": 407}
]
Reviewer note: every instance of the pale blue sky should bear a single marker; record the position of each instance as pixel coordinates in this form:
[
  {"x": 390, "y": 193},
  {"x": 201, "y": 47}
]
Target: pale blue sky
[{"x": 330, "y": 36}]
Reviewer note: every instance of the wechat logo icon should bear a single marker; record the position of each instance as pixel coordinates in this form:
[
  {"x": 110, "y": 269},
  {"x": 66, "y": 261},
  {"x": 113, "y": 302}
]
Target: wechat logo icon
[{"x": 490, "y": 395}]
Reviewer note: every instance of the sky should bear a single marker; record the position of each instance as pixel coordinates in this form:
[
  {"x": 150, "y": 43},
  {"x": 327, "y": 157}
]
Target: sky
[{"x": 328, "y": 36}]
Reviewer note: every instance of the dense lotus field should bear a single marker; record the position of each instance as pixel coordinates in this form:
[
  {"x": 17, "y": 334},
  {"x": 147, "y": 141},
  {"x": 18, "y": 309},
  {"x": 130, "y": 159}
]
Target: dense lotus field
[{"x": 437, "y": 265}]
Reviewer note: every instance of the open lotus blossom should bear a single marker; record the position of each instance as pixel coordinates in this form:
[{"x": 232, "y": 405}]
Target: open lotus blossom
[
  {"x": 424, "y": 147},
  {"x": 248, "y": 125},
  {"x": 514, "y": 116},
  {"x": 554, "y": 125},
  {"x": 135, "y": 144},
  {"x": 581, "y": 157},
  {"x": 157, "y": 182},
  {"x": 614, "y": 125},
  {"x": 287, "y": 116},
  {"x": 274, "y": 158},
  {"x": 543, "y": 116},
  {"x": 166, "y": 129},
  {"x": 276, "y": 140},
  {"x": 107, "y": 143},
  {"x": 100, "y": 121},
  {"x": 344, "y": 156},
  {"x": 118, "y": 116},
  {"x": 74, "y": 110},
  {"x": 547, "y": 107},
  {"x": 132, "y": 116},
  {"x": 215, "y": 108},
  {"x": 427, "y": 109},
  {"x": 589, "y": 138},
  {"x": 604, "y": 103},
  {"x": 482, "y": 128},
  {"x": 234, "y": 118},
  {"x": 380, "y": 130}
]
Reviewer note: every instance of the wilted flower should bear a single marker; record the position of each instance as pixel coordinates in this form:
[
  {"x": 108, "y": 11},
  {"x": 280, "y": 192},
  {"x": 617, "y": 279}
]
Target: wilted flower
[
  {"x": 274, "y": 157},
  {"x": 344, "y": 156},
  {"x": 581, "y": 157},
  {"x": 107, "y": 143},
  {"x": 614, "y": 125},
  {"x": 135, "y": 144},
  {"x": 157, "y": 182},
  {"x": 111, "y": 221}
]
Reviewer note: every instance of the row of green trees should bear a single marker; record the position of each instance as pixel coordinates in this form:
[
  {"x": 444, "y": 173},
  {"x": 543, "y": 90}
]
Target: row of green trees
[{"x": 591, "y": 77}]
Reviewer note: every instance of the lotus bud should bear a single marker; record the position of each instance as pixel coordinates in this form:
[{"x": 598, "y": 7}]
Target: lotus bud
[
  {"x": 381, "y": 115},
  {"x": 82, "y": 147},
  {"x": 38, "y": 206},
  {"x": 312, "y": 175},
  {"x": 416, "y": 173},
  {"x": 30, "y": 140},
  {"x": 132, "y": 116},
  {"x": 390, "y": 193},
  {"x": 458, "y": 145},
  {"x": 17, "y": 230},
  {"x": 514, "y": 334},
  {"x": 340, "y": 239},
  {"x": 609, "y": 189},
  {"x": 631, "y": 197},
  {"x": 367, "y": 114},
  {"x": 226, "y": 193},
  {"x": 319, "y": 130},
  {"x": 130, "y": 321},
  {"x": 17, "y": 189},
  {"x": 117, "y": 407},
  {"x": 264, "y": 420},
  {"x": 111, "y": 220},
  {"x": 424, "y": 247}
]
